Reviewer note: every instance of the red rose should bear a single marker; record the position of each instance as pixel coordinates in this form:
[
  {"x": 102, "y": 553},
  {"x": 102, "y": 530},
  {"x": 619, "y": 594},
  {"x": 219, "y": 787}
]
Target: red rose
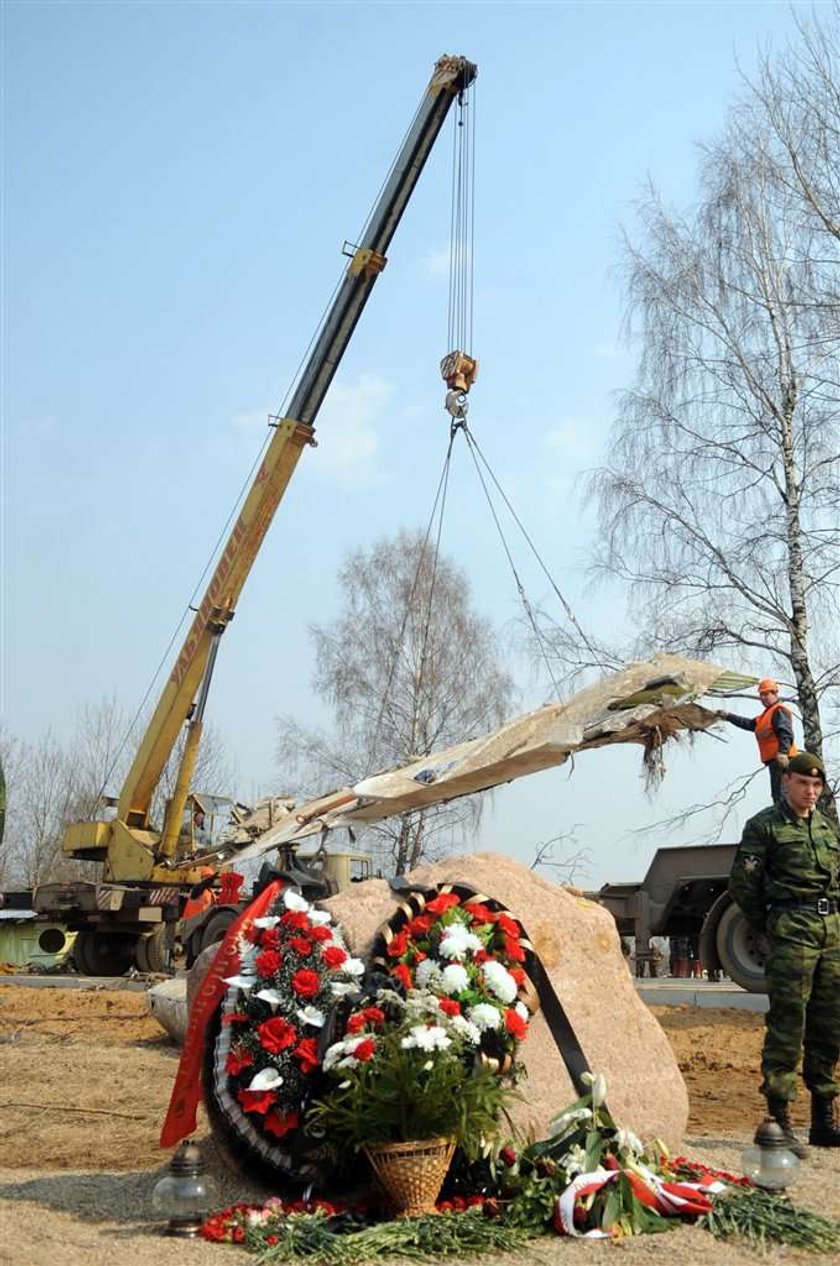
[
  {"x": 334, "y": 956},
  {"x": 481, "y": 956},
  {"x": 398, "y": 944},
  {"x": 238, "y": 1059},
  {"x": 252, "y": 934},
  {"x": 507, "y": 1156},
  {"x": 306, "y": 983},
  {"x": 306, "y": 1053},
  {"x": 509, "y": 926},
  {"x": 518, "y": 975},
  {"x": 374, "y": 1015},
  {"x": 449, "y": 1006},
  {"x": 442, "y": 902},
  {"x": 356, "y": 1022},
  {"x": 276, "y": 1034},
  {"x": 515, "y": 1025},
  {"x": 364, "y": 1050},
  {"x": 320, "y": 933},
  {"x": 256, "y": 1100},
  {"x": 419, "y": 925},
  {"x": 268, "y": 962},
  {"x": 279, "y": 1124},
  {"x": 270, "y": 939},
  {"x": 402, "y": 974},
  {"x": 296, "y": 920},
  {"x": 514, "y": 950},
  {"x": 238, "y": 1235},
  {"x": 301, "y": 946}
]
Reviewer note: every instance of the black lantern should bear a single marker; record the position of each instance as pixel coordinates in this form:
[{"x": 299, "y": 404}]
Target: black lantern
[{"x": 184, "y": 1195}]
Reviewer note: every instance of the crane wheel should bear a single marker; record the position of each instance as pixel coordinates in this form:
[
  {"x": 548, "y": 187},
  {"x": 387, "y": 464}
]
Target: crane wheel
[
  {"x": 728, "y": 941},
  {"x": 150, "y": 953},
  {"x": 103, "y": 954}
]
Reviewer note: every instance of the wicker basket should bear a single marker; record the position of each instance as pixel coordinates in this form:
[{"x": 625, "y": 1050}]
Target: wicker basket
[{"x": 412, "y": 1173}]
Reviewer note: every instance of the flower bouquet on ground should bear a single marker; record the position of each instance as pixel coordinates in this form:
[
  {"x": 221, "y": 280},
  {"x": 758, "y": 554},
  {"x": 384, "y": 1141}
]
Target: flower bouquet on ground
[{"x": 591, "y": 1179}]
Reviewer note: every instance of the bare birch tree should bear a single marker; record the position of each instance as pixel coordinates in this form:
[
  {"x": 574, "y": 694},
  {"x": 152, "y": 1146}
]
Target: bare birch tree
[
  {"x": 407, "y": 667},
  {"x": 719, "y": 506}
]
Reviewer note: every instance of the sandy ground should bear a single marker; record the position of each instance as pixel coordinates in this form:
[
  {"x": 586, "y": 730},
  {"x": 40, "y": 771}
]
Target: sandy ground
[{"x": 86, "y": 1077}]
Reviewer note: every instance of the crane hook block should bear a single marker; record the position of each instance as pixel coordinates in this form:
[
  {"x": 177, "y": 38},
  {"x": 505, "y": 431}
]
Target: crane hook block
[{"x": 459, "y": 371}]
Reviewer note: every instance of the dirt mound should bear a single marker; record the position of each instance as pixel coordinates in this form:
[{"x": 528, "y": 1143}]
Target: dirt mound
[{"x": 85, "y": 1079}]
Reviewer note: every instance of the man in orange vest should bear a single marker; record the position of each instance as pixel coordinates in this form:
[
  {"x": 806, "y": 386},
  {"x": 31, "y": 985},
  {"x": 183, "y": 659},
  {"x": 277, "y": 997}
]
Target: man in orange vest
[{"x": 773, "y": 729}]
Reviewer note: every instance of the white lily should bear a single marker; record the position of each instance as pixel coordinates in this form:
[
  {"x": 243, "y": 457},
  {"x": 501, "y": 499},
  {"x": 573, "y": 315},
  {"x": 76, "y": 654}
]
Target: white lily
[
  {"x": 267, "y": 921},
  {"x": 354, "y": 967},
  {"x": 241, "y": 982},
  {"x": 319, "y": 918},
  {"x": 271, "y": 996},
  {"x": 294, "y": 901},
  {"x": 310, "y": 1015},
  {"x": 266, "y": 1079}
]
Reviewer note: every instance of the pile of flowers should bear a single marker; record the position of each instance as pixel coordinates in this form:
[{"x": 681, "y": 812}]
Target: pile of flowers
[
  {"x": 471, "y": 957},
  {"x": 294, "y": 965},
  {"x": 592, "y": 1179}
]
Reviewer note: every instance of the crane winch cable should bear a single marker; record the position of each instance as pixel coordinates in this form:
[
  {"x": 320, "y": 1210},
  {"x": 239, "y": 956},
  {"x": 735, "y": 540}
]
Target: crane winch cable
[{"x": 477, "y": 455}]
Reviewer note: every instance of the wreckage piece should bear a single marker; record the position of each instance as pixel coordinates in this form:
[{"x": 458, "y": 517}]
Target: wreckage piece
[{"x": 646, "y": 703}]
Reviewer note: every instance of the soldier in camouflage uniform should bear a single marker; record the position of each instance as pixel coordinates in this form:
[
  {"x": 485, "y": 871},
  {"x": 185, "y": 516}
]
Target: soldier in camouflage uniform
[{"x": 786, "y": 880}]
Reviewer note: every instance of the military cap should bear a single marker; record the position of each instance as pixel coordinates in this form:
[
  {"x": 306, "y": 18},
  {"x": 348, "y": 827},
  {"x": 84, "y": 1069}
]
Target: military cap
[{"x": 805, "y": 763}]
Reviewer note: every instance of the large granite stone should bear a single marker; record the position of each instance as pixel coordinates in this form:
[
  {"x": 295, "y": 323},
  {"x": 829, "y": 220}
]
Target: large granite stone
[{"x": 580, "y": 949}]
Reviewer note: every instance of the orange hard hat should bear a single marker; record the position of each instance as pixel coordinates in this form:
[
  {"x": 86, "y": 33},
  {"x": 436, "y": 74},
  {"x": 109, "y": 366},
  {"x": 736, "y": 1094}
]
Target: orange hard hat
[{"x": 768, "y": 683}]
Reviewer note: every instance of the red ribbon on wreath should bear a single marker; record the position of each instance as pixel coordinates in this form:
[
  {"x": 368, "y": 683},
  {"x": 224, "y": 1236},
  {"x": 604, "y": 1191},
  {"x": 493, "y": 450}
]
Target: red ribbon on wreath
[{"x": 180, "y": 1119}]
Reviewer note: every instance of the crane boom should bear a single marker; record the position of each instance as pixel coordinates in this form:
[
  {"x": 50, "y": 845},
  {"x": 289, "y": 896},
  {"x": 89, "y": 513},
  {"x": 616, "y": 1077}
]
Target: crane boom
[{"x": 129, "y": 846}]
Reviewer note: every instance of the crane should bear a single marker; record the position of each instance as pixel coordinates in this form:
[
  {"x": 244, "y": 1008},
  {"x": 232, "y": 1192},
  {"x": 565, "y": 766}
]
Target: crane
[{"x": 147, "y": 871}]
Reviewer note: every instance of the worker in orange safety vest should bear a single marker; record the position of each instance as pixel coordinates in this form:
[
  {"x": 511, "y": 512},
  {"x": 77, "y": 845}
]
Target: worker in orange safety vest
[{"x": 773, "y": 729}]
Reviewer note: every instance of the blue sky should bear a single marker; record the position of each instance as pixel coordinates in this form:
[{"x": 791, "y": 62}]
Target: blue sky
[{"x": 179, "y": 179}]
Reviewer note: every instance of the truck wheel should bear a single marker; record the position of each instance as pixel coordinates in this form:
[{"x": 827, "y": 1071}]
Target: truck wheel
[
  {"x": 741, "y": 950},
  {"x": 102, "y": 954},
  {"x": 215, "y": 927},
  {"x": 150, "y": 954}
]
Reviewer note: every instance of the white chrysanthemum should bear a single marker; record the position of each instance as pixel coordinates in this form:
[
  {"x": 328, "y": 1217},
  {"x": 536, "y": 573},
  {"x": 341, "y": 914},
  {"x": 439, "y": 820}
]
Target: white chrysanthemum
[
  {"x": 310, "y": 1015},
  {"x": 426, "y": 1038},
  {"x": 419, "y": 1002},
  {"x": 294, "y": 901},
  {"x": 271, "y": 996},
  {"x": 427, "y": 973},
  {"x": 267, "y": 921},
  {"x": 266, "y": 1079},
  {"x": 319, "y": 918},
  {"x": 457, "y": 942},
  {"x": 353, "y": 967},
  {"x": 499, "y": 980},
  {"x": 454, "y": 978},
  {"x": 465, "y": 1028},
  {"x": 485, "y": 1016}
]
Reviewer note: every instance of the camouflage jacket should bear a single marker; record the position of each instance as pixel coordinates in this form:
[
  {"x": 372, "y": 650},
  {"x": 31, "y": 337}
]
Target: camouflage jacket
[{"x": 784, "y": 858}]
